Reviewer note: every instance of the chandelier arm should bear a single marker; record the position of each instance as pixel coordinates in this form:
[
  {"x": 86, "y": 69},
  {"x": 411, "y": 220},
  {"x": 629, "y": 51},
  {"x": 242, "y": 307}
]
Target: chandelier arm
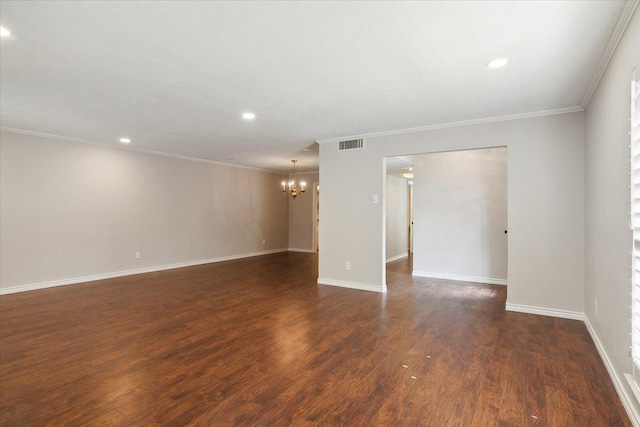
[{"x": 292, "y": 187}]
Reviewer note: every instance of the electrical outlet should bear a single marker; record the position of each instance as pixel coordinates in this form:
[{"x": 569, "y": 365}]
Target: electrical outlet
[
  {"x": 264, "y": 241},
  {"x": 347, "y": 266},
  {"x": 596, "y": 306},
  {"x": 138, "y": 255}
]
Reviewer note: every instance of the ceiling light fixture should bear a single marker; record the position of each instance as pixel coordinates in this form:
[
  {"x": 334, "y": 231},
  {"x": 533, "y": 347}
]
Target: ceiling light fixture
[
  {"x": 498, "y": 63},
  {"x": 294, "y": 187},
  {"x": 248, "y": 116},
  {"x": 125, "y": 140},
  {"x": 4, "y": 32}
]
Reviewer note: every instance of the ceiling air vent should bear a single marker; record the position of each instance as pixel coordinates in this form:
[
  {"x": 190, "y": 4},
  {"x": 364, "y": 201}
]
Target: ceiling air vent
[{"x": 352, "y": 144}]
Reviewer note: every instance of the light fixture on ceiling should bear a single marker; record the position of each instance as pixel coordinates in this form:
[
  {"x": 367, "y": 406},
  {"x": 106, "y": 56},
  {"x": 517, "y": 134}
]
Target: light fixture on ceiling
[
  {"x": 248, "y": 116},
  {"x": 293, "y": 187},
  {"x": 125, "y": 140},
  {"x": 4, "y": 32},
  {"x": 498, "y": 63},
  {"x": 407, "y": 174}
]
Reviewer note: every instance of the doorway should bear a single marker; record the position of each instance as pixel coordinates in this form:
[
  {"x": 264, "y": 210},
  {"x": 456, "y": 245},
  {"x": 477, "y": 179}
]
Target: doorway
[
  {"x": 410, "y": 202},
  {"x": 316, "y": 216},
  {"x": 398, "y": 207},
  {"x": 459, "y": 210}
]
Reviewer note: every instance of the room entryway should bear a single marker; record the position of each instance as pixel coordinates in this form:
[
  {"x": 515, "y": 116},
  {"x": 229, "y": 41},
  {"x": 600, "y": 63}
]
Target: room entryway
[{"x": 452, "y": 207}]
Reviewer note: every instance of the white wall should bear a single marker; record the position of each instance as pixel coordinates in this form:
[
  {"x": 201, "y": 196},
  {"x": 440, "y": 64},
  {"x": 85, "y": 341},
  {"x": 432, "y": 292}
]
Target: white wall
[
  {"x": 545, "y": 197},
  {"x": 70, "y": 210},
  {"x": 397, "y": 223},
  {"x": 301, "y": 227},
  {"x": 608, "y": 238},
  {"x": 460, "y": 215}
]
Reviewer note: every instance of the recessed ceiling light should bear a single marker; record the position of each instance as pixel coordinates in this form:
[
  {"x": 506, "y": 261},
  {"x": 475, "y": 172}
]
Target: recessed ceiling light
[
  {"x": 248, "y": 116},
  {"x": 125, "y": 140},
  {"x": 497, "y": 63},
  {"x": 306, "y": 149},
  {"x": 4, "y": 32}
]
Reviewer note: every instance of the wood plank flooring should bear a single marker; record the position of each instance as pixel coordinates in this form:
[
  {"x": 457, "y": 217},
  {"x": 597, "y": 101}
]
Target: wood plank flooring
[{"x": 257, "y": 342}]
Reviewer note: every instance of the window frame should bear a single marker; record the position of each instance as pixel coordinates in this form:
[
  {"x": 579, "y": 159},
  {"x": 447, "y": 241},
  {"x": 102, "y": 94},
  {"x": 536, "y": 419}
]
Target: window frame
[{"x": 634, "y": 225}]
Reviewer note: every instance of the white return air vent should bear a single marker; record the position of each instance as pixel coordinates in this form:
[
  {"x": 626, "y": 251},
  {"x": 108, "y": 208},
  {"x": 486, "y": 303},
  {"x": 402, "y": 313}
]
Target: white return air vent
[{"x": 352, "y": 144}]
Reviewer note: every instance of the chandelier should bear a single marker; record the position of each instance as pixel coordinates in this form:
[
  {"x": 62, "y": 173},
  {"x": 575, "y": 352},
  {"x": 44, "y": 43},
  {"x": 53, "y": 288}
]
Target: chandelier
[{"x": 294, "y": 187}]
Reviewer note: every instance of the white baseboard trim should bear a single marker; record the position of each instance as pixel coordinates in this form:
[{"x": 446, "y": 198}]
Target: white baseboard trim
[
  {"x": 102, "y": 276},
  {"x": 352, "y": 285},
  {"x": 626, "y": 397},
  {"x": 487, "y": 280},
  {"x": 552, "y": 312},
  {"x": 397, "y": 257},
  {"x": 310, "y": 251}
]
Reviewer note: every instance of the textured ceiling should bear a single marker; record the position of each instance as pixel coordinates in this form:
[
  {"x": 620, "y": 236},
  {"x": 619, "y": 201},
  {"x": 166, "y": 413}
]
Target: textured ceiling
[{"x": 176, "y": 76}]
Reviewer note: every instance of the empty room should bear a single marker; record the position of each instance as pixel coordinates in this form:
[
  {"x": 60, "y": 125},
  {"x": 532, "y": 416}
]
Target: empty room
[{"x": 206, "y": 216}]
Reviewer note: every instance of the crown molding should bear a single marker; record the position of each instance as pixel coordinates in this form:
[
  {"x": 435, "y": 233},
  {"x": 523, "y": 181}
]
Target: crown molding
[
  {"x": 129, "y": 148},
  {"x": 484, "y": 120},
  {"x": 618, "y": 31}
]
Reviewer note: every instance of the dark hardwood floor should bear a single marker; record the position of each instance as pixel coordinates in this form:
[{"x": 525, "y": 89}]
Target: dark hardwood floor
[{"x": 257, "y": 342}]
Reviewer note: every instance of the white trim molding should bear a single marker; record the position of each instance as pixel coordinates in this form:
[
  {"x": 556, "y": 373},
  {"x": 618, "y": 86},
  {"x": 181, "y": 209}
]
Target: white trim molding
[
  {"x": 397, "y": 257},
  {"x": 541, "y": 311},
  {"x": 352, "y": 285},
  {"x": 626, "y": 397},
  {"x": 460, "y": 278},
  {"x": 102, "y": 276},
  {"x": 633, "y": 385},
  {"x": 310, "y": 251},
  {"x": 483, "y": 120},
  {"x": 616, "y": 35}
]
